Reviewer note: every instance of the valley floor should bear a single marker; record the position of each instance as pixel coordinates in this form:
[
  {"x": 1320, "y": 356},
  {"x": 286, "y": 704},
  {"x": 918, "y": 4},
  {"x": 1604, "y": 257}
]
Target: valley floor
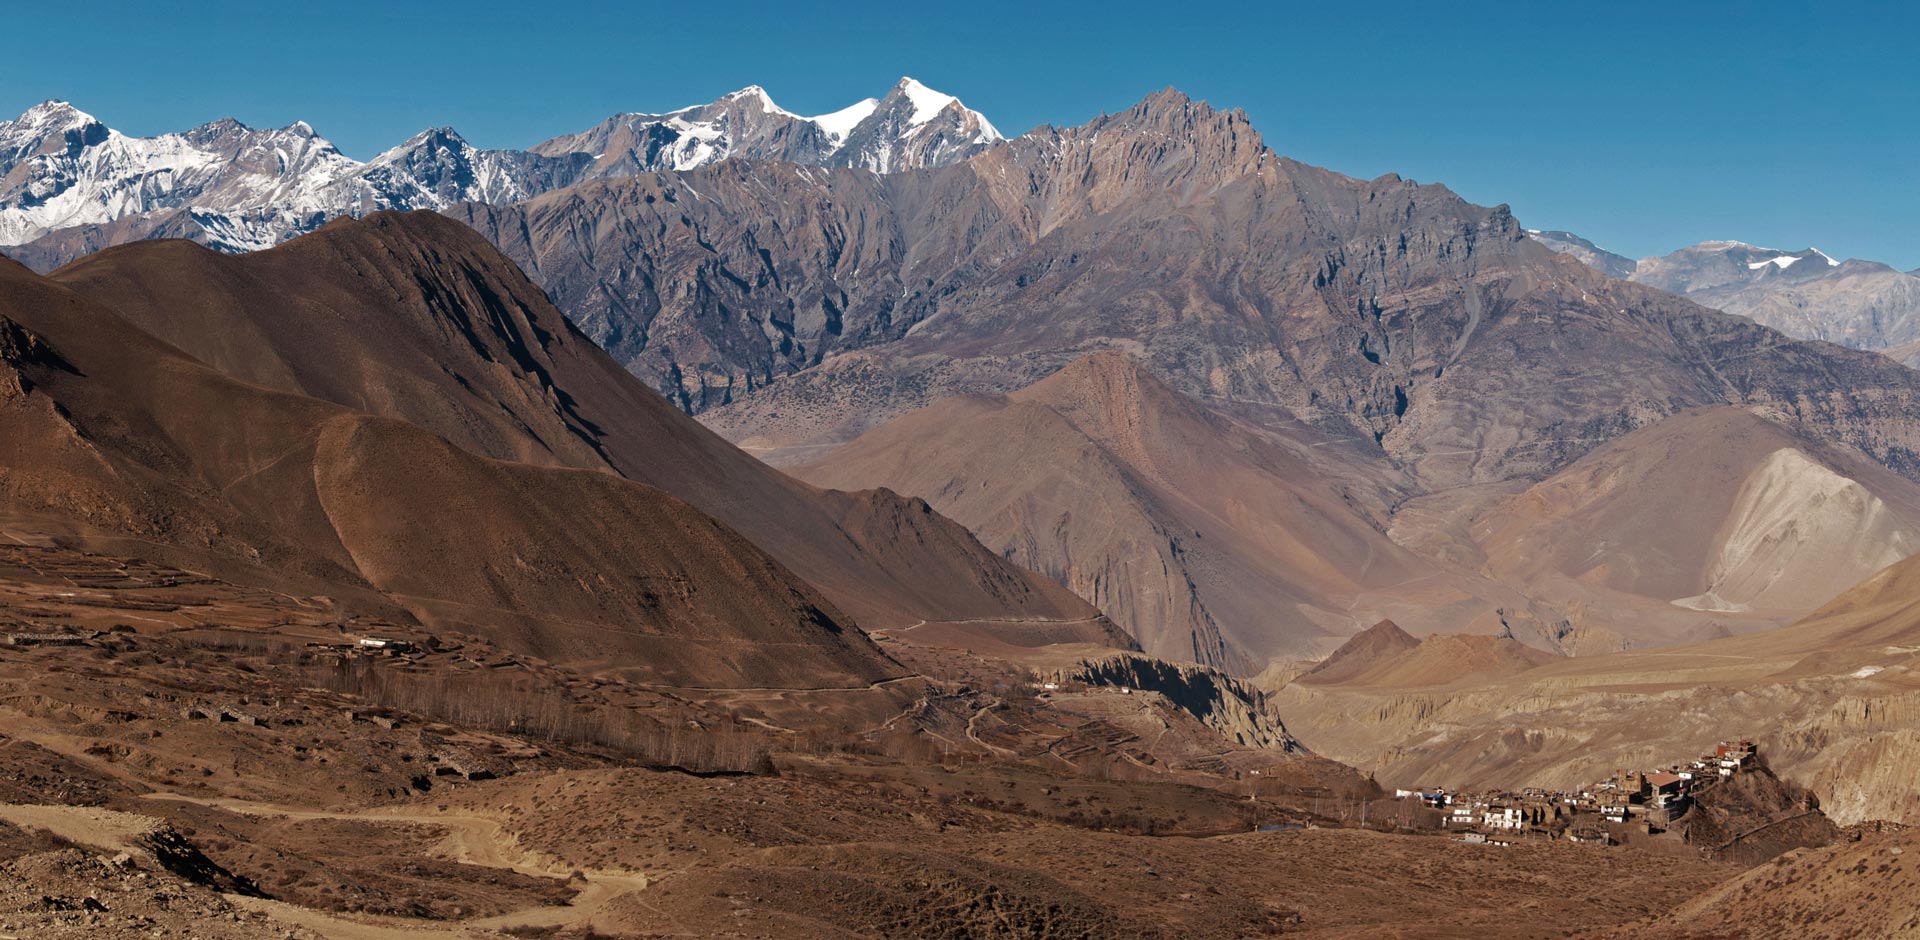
[{"x": 180, "y": 761}]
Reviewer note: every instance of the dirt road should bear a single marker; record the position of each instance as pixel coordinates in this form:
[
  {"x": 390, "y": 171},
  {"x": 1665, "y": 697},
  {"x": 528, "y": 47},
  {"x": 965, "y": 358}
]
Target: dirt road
[{"x": 473, "y": 840}]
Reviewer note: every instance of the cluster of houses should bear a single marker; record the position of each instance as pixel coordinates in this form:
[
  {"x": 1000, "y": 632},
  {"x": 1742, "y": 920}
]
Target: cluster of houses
[
  {"x": 409, "y": 652},
  {"x": 1650, "y": 801},
  {"x": 366, "y": 646}
]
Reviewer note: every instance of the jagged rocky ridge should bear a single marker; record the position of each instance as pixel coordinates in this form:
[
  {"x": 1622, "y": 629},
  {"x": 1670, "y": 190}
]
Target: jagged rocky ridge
[{"x": 69, "y": 184}]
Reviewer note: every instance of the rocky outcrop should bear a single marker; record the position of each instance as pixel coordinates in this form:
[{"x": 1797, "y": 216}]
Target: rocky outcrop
[
  {"x": 20, "y": 350},
  {"x": 1236, "y": 709},
  {"x": 1754, "y": 816},
  {"x": 132, "y": 840}
]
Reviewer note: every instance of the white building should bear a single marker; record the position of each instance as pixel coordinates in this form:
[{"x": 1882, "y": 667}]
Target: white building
[{"x": 1504, "y": 817}]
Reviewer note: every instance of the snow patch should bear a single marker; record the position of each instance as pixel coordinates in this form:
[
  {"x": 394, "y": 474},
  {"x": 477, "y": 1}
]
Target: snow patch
[
  {"x": 842, "y": 122},
  {"x": 927, "y": 103},
  {"x": 1785, "y": 261},
  {"x": 1866, "y": 672},
  {"x": 247, "y": 188}
]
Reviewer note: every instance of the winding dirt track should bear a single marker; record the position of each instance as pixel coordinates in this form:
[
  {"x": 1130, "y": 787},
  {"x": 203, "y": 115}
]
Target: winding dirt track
[{"x": 473, "y": 840}]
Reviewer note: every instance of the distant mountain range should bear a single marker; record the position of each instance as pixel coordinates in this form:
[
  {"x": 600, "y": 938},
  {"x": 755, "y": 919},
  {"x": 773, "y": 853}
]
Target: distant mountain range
[
  {"x": 1313, "y": 401},
  {"x": 238, "y": 188},
  {"x": 1804, "y": 294}
]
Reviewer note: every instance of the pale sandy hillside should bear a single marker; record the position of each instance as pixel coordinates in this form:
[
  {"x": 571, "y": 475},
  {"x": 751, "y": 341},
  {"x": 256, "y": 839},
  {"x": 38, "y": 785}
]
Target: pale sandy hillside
[
  {"x": 1833, "y": 700},
  {"x": 1716, "y": 520}
]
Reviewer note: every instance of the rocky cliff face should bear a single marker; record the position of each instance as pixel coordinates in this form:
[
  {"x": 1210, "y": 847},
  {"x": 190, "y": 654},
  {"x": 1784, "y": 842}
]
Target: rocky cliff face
[{"x": 793, "y": 308}]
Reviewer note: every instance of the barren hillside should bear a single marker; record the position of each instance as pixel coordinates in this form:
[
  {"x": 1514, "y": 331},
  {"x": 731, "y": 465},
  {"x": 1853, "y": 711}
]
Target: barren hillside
[{"x": 411, "y": 316}]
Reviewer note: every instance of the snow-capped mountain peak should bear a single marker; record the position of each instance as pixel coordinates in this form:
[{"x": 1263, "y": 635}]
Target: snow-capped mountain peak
[
  {"x": 913, "y": 126},
  {"x": 242, "y": 187},
  {"x": 910, "y": 127},
  {"x": 438, "y": 138},
  {"x": 756, "y": 94},
  {"x": 1783, "y": 260},
  {"x": 50, "y": 116},
  {"x": 47, "y": 128},
  {"x": 927, "y": 103}
]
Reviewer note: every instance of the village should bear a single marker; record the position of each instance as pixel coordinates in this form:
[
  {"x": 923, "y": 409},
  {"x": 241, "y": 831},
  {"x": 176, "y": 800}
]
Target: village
[{"x": 1629, "y": 804}]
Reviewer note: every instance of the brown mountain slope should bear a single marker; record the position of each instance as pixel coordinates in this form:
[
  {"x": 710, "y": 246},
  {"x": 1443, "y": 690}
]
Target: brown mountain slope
[
  {"x": 1384, "y": 656},
  {"x": 413, "y": 316},
  {"x": 1851, "y": 890},
  {"x": 1208, "y": 538},
  {"x": 1365, "y": 650},
  {"x": 1452, "y": 658},
  {"x": 114, "y": 438},
  {"x": 1215, "y": 539},
  {"x": 1883, "y": 610}
]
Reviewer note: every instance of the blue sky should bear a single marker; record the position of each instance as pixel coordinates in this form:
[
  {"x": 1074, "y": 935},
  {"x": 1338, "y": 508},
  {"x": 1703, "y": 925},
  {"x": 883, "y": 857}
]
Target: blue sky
[{"x": 1642, "y": 126}]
